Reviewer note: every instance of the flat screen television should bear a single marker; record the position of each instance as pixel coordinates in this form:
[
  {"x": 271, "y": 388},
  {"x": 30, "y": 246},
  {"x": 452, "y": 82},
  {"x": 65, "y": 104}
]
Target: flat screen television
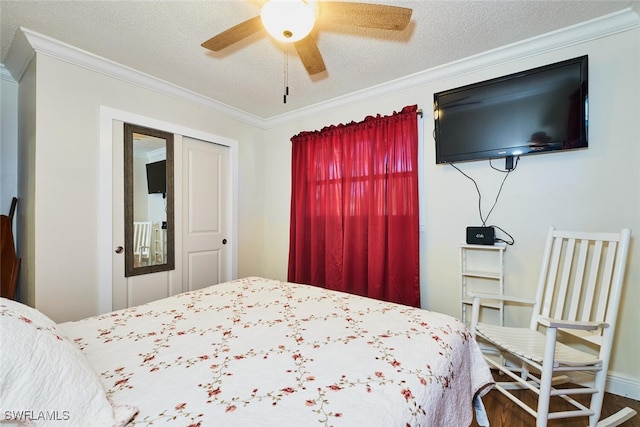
[
  {"x": 535, "y": 111},
  {"x": 157, "y": 177}
]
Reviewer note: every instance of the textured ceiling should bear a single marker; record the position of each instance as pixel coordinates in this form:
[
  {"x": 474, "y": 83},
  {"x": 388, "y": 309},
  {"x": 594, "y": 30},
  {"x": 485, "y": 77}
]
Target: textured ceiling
[{"x": 162, "y": 39}]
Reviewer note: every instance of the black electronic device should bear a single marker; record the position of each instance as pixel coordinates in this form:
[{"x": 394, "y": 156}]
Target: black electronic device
[
  {"x": 535, "y": 111},
  {"x": 481, "y": 235},
  {"x": 157, "y": 177}
]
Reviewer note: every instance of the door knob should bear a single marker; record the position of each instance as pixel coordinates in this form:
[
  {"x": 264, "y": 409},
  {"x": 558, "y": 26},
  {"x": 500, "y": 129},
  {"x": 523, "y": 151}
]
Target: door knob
[
  {"x": 224, "y": 241},
  {"x": 119, "y": 249}
]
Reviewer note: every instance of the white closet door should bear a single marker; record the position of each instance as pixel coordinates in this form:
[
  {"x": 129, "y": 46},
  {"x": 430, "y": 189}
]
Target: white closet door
[
  {"x": 204, "y": 213},
  {"x": 206, "y": 229}
]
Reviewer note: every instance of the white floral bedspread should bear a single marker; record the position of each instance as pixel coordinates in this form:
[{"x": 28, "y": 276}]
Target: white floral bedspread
[{"x": 259, "y": 352}]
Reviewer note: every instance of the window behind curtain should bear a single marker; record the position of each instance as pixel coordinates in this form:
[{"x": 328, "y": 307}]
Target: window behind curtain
[{"x": 354, "y": 208}]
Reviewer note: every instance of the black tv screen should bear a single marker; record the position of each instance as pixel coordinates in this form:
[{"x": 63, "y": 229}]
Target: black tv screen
[
  {"x": 157, "y": 177},
  {"x": 535, "y": 111}
]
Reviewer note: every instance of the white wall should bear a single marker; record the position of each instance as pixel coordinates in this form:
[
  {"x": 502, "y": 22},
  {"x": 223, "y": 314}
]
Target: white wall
[
  {"x": 26, "y": 184},
  {"x": 8, "y": 140},
  {"x": 64, "y": 282},
  {"x": 593, "y": 189}
]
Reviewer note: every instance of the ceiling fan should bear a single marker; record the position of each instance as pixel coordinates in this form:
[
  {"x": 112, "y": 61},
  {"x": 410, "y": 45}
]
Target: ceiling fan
[{"x": 292, "y": 21}]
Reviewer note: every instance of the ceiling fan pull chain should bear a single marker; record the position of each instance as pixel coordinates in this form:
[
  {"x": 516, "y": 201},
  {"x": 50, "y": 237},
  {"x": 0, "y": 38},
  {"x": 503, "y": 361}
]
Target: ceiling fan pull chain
[{"x": 286, "y": 74}]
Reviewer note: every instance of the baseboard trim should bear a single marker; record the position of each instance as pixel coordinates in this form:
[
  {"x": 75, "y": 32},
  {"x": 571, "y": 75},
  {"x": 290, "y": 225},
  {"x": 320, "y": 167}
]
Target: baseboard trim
[{"x": 623, "y": 385}]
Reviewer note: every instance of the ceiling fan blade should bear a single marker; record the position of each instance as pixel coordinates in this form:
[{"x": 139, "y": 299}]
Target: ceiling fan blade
[
  {"x": 234, "y": 34},
  {"x": 367, "y": 15},
  {"x": 310, "y": 55}
]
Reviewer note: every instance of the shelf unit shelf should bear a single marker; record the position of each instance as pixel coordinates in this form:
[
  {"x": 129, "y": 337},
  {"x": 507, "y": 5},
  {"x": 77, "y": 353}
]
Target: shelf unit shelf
[
  {"x": 481, "y": 270},
  {"x": 496, "y": 305},
  {"x": 483, "y": 274}
]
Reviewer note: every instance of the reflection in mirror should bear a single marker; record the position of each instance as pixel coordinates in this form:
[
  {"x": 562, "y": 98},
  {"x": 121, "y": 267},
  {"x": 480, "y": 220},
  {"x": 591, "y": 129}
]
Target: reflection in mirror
[{"x": 148, "y": 200}]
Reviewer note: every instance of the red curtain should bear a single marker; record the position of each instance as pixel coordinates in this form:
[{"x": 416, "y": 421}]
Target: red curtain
[{"x": 354, "y": 208}]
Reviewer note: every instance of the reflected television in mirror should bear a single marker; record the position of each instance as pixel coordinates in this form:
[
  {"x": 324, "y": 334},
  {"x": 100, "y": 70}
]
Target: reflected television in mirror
[{"x": 157, "y": 177}]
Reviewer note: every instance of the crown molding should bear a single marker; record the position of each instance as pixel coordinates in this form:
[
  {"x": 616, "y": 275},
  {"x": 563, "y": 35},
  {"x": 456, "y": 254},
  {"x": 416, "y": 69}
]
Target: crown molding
[
  {"x": 19, "y": 56},
  {"x": 27, "y": 43},
  {"x": 44, "y": 45}
]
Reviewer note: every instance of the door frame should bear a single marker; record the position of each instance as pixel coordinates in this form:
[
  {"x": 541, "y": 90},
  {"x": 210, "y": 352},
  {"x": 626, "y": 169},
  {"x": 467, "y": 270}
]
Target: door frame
[{"x": 105, "y": 191}]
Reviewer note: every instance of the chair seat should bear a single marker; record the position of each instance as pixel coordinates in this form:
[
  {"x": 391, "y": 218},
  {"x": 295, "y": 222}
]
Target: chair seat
[{"x": 529, "y": 344}]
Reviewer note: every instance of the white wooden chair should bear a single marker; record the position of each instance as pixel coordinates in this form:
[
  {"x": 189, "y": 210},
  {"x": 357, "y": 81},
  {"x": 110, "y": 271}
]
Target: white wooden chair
[
  {"x": 141, "y": 240},
  {"x": 572, "y": 327}
]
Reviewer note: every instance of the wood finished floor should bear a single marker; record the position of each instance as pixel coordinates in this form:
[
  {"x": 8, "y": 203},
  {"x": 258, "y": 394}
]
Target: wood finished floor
[{"x": 504, "y": 413}]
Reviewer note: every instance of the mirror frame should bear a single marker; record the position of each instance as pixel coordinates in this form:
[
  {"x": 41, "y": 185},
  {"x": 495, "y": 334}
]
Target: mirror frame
[{"x": 129, "y": 269}]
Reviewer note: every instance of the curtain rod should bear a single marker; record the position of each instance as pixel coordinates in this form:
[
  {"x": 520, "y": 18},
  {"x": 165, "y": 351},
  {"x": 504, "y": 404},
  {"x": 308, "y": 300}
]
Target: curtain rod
[{"x": 419, "y": 112}]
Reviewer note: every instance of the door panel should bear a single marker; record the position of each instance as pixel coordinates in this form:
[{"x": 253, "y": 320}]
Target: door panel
[
  {"x": 145, "y": 288},
  {"x": 206, "y": 245},
  {"x": 204, "y": 191},
  {"x": 203, "y": 266}
]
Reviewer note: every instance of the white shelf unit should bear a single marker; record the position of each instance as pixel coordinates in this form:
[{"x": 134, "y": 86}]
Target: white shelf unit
[
  {"x": 159, "y": 244},
  {"x": 482, "y": 270}
]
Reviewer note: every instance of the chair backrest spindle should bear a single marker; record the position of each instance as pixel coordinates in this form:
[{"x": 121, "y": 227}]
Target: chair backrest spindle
[
  {"x": 579, "y": 280},
  {"x": 568, "y": 249},
  {"x": 607, "y": 278},
  {"x": 542, "y": 279}
]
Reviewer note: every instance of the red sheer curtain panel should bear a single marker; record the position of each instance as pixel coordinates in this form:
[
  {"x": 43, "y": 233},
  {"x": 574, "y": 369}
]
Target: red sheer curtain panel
[{"x": 354, "y": 208}]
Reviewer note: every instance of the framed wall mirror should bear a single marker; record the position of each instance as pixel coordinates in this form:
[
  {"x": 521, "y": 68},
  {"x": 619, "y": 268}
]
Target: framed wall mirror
[{"x": 148, "y": 200}]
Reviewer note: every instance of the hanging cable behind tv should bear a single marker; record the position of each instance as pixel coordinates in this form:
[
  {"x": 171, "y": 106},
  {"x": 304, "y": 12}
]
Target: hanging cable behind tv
[{"x": 485, "y": 234}]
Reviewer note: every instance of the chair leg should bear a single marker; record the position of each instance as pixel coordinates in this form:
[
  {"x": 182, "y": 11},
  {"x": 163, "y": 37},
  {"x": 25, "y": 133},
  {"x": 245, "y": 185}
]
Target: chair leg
[
  {"x": 597, "y": 398},
  {"x": 546, "y": 377}
]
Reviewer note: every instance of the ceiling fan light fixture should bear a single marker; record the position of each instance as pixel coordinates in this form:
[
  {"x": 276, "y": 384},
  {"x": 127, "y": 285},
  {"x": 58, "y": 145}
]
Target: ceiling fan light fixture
[{"x": 287, "y": 20}]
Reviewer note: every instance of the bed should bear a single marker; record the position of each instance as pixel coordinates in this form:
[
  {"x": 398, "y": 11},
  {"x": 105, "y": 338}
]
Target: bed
[{"x": 250, "y": 352}]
